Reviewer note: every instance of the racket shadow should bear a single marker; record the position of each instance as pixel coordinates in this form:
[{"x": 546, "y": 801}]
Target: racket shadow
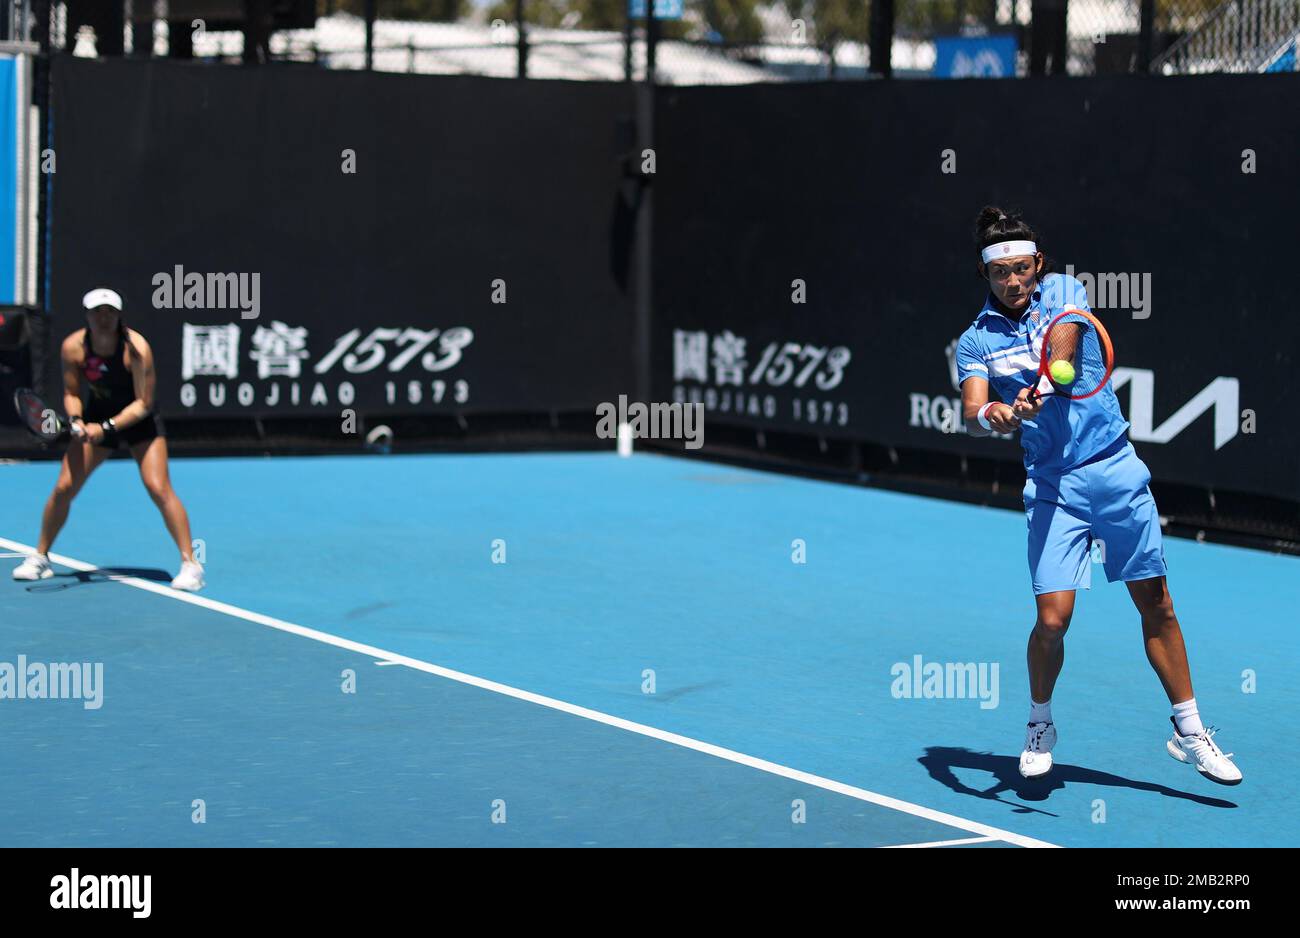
[{"x": 98, "y": 575}]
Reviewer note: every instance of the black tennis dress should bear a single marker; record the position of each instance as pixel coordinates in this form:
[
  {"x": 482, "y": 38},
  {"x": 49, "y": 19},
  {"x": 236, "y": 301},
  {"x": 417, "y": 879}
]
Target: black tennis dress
[{"x": 110, "y": 389}]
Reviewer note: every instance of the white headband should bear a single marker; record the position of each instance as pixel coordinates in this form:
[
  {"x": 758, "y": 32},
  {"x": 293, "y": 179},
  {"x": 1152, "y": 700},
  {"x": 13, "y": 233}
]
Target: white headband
[{"x": 1008, "y": 249}]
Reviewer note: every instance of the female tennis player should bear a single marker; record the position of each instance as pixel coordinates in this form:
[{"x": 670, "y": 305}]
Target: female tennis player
[
  {"x": 114, "y": 367},
  {"x": 1085, "y": 484}
]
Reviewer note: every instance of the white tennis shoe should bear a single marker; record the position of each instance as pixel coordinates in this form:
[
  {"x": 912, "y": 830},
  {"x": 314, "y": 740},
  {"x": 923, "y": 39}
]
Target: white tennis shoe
[
  {"x": 190, "y": 579},
  {"x": 1202, "y": 751},
  {"x": 1036, "y": 760},
  {"x": 34, "y": 567}
]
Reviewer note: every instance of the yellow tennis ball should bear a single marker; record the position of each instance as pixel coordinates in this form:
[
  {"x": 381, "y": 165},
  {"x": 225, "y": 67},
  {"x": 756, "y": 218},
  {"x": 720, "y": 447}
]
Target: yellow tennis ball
[{"x": 1062, "y": 372}]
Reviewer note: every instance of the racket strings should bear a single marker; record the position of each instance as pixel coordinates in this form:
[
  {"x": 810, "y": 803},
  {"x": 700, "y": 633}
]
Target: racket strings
[
  {"x": 34, "y": 410},
  {"x": 1075, "y": 340},
  {"x": 40, "y": 419}
]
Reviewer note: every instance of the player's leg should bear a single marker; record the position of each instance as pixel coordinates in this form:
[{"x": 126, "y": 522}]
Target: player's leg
[
  {"x": 151, "y": 455},
  {"x": 1162, "y": 636},
  {"x": 79, "y": 461},
  {"x": 1046, "y": 652},
  {"x": 1192, "y": 742},
  {"x": 1046, "y": 657},
  {"x": 1128, "y": 527},
  {"x": 1059, "y": 542}
]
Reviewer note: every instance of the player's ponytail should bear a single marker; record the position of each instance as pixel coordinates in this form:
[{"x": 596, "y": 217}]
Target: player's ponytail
[{"x": 995, "y": 224}]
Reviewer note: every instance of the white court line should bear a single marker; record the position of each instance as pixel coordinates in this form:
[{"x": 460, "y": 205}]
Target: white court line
[
  {"x": 685, "y": 742},
  {"x": 942, "y": 843}
]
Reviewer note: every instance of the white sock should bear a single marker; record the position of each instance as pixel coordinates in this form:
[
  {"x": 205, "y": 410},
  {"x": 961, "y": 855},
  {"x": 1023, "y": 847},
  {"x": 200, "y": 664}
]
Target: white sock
[
  {"x": 1040, "y": 712},
  {"x": 1187, "y": 718}
]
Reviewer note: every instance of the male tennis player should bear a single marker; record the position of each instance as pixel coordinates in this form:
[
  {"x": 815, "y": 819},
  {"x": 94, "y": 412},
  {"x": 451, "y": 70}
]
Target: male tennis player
[
  {"x": 114, "y": 366},
  {"x": 1085, "y": 482}
]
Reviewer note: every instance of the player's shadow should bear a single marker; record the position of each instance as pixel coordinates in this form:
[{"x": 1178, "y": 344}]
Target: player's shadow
[
  {"x": 63, "y": 581},
  {"x": 942, "y": 761}
]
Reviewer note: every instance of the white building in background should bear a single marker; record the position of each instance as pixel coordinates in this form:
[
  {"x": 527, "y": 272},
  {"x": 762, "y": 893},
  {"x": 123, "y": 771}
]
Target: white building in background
[{"x": 476, "y": 47}]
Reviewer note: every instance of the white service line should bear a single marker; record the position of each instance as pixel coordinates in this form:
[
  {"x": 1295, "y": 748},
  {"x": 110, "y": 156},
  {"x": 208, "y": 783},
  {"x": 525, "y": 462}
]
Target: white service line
[
  {"x": 942, "y": 843},
  {"x": 686, "y": 742}
]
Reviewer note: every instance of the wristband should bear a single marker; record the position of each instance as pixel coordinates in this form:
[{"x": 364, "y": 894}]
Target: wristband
[
  {"x": 984, "y": 421},
  {"x": 110, "y": 431},
  {"x": 75, "y": 418}
]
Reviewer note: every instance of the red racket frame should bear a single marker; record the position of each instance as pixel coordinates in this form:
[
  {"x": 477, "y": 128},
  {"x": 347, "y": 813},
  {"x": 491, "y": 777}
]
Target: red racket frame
[{"x": 1044, "y": 366}]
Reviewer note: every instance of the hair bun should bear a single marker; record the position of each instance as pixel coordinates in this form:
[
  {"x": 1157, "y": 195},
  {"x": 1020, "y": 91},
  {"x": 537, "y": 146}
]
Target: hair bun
[{"x": 996, "y": 223}]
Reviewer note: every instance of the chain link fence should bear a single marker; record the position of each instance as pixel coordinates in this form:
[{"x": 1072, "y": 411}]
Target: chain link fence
[{"x": 695, "y": 41}]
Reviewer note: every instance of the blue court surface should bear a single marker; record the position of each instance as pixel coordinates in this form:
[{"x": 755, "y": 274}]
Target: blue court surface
[{"x": 577, "y": 649}]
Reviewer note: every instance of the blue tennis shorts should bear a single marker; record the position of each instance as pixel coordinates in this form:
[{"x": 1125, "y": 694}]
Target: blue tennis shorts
[{"x": 1102, "y": 512}]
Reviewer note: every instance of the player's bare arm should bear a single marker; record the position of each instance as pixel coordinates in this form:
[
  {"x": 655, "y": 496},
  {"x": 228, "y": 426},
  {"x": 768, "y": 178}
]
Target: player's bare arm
[
  {"x": 974, "y": 395},
  {"x": 71, "y": 354},
  {"x": 142, "y": 378}
]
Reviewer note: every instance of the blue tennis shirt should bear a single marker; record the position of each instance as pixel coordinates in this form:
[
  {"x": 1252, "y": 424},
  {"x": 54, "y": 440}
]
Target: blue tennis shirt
[{"x": 1066, "y": 433}]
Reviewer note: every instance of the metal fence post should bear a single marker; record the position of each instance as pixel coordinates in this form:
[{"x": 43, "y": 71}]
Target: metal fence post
[
  {"x": 643, "y": 296},
  {"x": 882, "y": 38},
  {"x": 522, "y": 40},
  {"x": 627, "y": 40},
  {"x": 651, "y": 42},
  {"x": 1146, "y": 31},
  {"x": 1048, "y": 38},
  {"x": 370, "y": 34}
]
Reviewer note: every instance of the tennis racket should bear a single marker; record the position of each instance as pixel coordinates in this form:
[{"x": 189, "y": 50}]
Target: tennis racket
[
  {"x": 1078, "y": 339},
  {"x": 39, "y": 418}
]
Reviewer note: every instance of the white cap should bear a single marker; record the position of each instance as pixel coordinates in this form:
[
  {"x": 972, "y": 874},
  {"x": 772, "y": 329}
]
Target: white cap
[{"x": 102, "y": 296}]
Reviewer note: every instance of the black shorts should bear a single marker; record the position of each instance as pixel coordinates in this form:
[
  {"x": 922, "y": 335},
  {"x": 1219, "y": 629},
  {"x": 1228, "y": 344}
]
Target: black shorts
[{"x": 142, "y": 432}]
